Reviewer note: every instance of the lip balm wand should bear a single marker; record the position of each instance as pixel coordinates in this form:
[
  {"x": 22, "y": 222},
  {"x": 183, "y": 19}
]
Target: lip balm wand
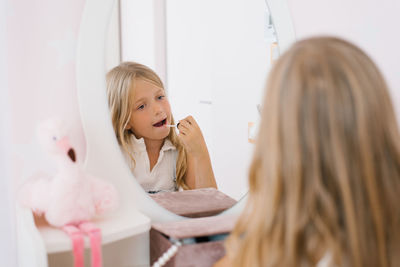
[{"x": 173, "y": 125}]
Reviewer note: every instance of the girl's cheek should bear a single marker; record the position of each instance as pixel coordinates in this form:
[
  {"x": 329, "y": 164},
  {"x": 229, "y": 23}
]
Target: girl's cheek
[{"x": 168, "y": 106}]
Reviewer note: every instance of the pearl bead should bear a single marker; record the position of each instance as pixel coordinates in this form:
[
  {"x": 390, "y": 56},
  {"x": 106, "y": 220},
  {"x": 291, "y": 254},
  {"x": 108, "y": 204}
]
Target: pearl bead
[
  {"x": 167, "y": 255},
  {"x": 170, "y": 253},
  {"x": 162, "y": 261}
]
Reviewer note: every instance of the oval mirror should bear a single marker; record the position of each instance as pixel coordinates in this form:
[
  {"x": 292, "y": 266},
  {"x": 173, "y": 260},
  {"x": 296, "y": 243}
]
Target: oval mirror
[{"x": 213, "y": 59}]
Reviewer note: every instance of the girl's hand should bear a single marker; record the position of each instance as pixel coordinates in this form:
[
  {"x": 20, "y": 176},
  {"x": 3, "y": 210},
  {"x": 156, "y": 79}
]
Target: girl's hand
[
  {"x": 199, "y": 170},
  {"x": 191, "y": 136}
]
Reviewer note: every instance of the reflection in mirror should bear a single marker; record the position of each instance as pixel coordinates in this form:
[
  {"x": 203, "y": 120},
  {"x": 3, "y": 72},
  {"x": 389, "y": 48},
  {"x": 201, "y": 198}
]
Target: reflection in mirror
[{"x": 212, "y": 58}]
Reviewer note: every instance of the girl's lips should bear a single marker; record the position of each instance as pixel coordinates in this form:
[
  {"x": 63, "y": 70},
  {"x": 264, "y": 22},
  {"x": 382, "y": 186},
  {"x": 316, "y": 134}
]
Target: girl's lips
[{"x": 160, "y": 123}]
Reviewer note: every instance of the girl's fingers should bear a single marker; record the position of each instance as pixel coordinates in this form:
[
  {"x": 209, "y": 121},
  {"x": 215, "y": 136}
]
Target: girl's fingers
[
  {"x": 189, "y": 129},
  {"x": 191, "y": 120},
  {"x": 182, "y": 130},
  {"x": 183, "y": 124}
]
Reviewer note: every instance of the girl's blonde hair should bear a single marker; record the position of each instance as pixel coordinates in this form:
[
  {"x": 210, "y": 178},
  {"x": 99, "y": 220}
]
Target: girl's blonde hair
[
  {"x": 120, "y": 88},
  {"x": 325, "y": 175}
]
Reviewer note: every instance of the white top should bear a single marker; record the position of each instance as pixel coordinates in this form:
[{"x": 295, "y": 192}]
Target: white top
[{"x": 163, "y": 175}]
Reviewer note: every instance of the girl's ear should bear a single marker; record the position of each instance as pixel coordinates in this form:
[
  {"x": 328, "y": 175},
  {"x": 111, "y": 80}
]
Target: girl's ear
[{"x": 128, "y": 126}]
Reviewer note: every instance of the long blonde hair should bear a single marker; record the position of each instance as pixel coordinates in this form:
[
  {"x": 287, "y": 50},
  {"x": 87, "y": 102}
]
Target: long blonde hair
[
  {"x": 120, "y": 87},
  {"x": 325, "y": 175}
]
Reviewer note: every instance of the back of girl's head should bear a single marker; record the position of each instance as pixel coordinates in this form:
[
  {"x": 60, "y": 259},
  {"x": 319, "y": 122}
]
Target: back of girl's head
[{"x": 325, "y": 177}]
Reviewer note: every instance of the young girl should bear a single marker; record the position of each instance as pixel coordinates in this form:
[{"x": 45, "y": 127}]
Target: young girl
[
  {"x": 325, "y": 177},
  {"x": 160, "y": 159}
]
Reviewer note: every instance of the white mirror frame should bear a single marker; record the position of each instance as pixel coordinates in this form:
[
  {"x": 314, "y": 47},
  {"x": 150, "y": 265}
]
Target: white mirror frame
[{"x": 103, "y": 156}]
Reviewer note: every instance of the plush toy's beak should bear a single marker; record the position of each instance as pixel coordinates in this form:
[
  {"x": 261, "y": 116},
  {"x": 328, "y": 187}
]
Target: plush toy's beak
[
  {"x": 71, "y": 154},
  {"x": 64, "y": 145}
]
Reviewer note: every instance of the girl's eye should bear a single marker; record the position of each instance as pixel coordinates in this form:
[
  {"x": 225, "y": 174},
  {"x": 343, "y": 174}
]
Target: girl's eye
[
  {"x": 160, "y": 97},
  {"x": 141, "y": 107}
]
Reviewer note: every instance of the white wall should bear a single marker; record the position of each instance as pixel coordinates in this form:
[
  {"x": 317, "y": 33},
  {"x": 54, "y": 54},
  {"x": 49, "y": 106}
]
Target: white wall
[
  {"x": 40, "y": 62},
  {"x": 373, "y": 25},
  {"x": 143, "y": 33},
  {"x": 217, "y": 61},
  {"x": 113, "y": 40},
  {"x": 7, "y": 215}
]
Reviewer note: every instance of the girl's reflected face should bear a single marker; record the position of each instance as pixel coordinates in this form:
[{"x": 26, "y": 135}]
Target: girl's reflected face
[{"x": 150, "y": 111}]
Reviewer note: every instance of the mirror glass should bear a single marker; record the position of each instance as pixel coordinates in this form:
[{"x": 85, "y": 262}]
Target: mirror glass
[{"x": 213, "y": 58}]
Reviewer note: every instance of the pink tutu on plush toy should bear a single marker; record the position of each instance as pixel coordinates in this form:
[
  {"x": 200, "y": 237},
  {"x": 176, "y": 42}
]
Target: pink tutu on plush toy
[{"x": 72, "y": 197}]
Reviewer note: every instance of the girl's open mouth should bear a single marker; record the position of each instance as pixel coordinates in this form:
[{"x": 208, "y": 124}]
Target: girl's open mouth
[{"x": 160, "y": 123}]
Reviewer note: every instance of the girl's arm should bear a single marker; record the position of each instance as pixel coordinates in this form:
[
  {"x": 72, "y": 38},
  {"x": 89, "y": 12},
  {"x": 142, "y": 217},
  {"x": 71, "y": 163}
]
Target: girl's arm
[{"x": 199, "y": 170}]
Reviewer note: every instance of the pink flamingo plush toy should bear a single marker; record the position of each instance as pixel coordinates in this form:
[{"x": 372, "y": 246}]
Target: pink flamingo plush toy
[{"x": 72, "y": 197}]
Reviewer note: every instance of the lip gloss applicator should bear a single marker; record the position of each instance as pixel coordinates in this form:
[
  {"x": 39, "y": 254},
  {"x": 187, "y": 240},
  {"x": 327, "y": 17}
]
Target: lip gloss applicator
[{"x": 173, "y": 125}]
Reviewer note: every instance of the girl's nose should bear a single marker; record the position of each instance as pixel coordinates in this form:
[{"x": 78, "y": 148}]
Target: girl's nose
[{"x": 157, "y": 109}]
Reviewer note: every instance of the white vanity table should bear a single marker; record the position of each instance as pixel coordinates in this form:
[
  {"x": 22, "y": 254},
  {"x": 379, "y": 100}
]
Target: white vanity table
[{"x": 125, "y": 239}]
